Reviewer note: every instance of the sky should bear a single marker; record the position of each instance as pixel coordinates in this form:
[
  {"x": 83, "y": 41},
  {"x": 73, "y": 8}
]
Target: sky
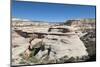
[{"x": 37, "y": 11}]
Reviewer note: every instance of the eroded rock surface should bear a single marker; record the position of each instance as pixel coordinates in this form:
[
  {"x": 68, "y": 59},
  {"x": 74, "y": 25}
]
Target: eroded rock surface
[
  {"x": 56, "y": 48},
  {"x": 37, "y": 44}
]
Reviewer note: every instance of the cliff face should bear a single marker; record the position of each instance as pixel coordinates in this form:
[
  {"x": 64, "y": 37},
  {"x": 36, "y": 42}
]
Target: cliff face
[
  {"x": 82, "y": 24},
  {"x": 80, "y": 21}
]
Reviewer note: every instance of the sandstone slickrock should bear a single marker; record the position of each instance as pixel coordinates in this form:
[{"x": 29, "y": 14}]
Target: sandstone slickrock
[{"x": 44, "y": 43}]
